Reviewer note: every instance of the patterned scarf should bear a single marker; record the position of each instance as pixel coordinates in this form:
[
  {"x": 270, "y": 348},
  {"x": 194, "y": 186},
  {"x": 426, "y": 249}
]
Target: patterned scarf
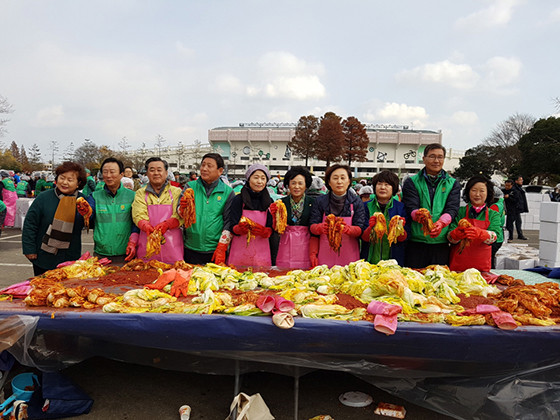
[
  {"x": 59, "y": 233},
  {"x": 297, "y": 209}
]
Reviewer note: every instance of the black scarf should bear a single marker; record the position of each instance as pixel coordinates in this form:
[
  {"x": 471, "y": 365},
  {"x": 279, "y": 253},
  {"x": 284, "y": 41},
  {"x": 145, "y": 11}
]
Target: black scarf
[{"x": 255, "y": 201}]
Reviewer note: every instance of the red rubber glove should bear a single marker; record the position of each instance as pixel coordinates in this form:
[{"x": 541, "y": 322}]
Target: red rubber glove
[
  {"x": 170, "y": 223},
  {"x": 352, "y": 231},
  {"x": 319, "y": 228},
  {"x": 457, "y": 234},
  {"x": 241, "y": 228},
  {"x": 163, "y": 280},
  {"x": 180, "y": 285},
  {"x": 273, "y": 208},
  {"x": 219, "y": 256},
  {"x": 436, "y": 230},
  {"x": 262, "y": 231},
  {"x": 477, "y": 233},
  {"x": 84, "y": 209},
  {"x": 402, "y": 238},
  {"x": 314, "y": 251},
  {"x": 367, "y": 232},
  {"x": 130, "y": 251},
  {"x": 145, "y": 226}
]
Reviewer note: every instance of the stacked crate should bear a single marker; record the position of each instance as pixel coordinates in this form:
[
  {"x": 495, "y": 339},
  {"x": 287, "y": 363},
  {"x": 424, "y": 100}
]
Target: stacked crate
[
  {"x": 549, "y": 234},
  {"x": 530, "y": 220}
]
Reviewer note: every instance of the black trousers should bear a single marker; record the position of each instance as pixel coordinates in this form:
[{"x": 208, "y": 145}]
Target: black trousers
[
  {"x": 420, "y": 254},
  {"x": 513, "y": 217},
  {"x": 495, "y": 247},
  {"x": 200, "y": 258}
]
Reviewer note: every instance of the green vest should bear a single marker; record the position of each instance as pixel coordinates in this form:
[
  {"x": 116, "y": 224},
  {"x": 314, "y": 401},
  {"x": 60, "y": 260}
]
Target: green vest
[
  {"x": 87, "y": 189},
  {"x": 502, "y": 214},
  {"x": 2, "y": 206},
  {"x": 443, "y": 188},
  {"x": 9, "y": 184},
  {"x": 39, "y": 186},
  {"x": 380, "y": 250},
  {"x": 203, "y": 236},
  {"x": 113, "y": 221},
  {"x": 21, "y": 188}
]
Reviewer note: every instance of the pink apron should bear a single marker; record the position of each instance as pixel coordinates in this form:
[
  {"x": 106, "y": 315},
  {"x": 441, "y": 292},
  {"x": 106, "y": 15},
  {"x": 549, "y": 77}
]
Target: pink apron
[
  {"x": 293, "y": 251},
  {"x": 477, "y": 255},
  {"x": 257, "y": 253},
  {"x": 9, "y": 199},
  {"x": 349, "y": 248},
  {"x": 172, "y": 249}
]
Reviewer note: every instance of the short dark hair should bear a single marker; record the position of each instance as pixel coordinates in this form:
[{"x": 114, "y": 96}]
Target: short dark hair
[
  {"x": 333, "y": 168},
  {"x": 72, "y": 167},
  {"x": 489, "y": 188},
  {"x": 508, "y": 180},
  {"x": 217, "y": 157},
  {"x": 113, "y": 160},
  {"x": 156, "y": 159},
  {"x": 128, "y": 167},
  {"x": 434, "y": 146},
  {"x": 295, "y": 171},
  {"x": 388, "y": 177}
]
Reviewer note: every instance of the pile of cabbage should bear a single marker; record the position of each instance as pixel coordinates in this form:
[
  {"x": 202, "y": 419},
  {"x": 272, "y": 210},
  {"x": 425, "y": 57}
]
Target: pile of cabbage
[{"x": 314, "y": 291}]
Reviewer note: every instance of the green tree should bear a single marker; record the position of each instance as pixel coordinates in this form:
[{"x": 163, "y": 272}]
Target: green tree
[
  {"x": 330, "y": 139},
  {"x": 356, "y": 140},
  {"x": 15, "y": 150},
  {"x": 304, "y": 141},
  {"x": 8, "y": 161},
  {"x": 540, "y": 149},
  {"x": 477, "y": 160},
  {"x": 35, "y": 158}
]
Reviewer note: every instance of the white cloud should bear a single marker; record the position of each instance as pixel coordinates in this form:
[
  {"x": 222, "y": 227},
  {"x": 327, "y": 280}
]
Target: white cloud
[
  {"x": 459, "y": 76},
  {"x": 501, "y": 71},
  {"x": 52, "y": 116},
  {"x": 464, "y": 118},
  {"x": 394, "y": 113},
  {"x": 280, "y": 116},
  {"x": 184, "y": 51},
  {"x": 553, "y": 17},
  {"x": 228, "y": 83},
  {"x": 283, "y": 75},
  {"x": 498, "y": 13}
]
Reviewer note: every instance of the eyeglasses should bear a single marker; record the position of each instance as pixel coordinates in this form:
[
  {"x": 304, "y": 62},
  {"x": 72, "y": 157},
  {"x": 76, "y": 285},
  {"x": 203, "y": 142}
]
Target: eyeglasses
[{"x": 434, "y": 157}]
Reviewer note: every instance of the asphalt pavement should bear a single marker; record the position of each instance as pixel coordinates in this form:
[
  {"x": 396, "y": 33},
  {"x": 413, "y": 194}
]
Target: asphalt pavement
[{"x": 123, "y": 390}]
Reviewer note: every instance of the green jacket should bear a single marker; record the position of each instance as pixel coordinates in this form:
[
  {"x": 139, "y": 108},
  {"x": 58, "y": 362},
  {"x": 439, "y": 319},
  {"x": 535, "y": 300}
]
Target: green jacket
[
  {"x": 498, "y": 207},
  {"x": 203, "y": 236},
  {"x": 113, "y": 221},
  {"x": 444, "y": 187},
  {"x": 39, "y": 217},
  {"x": 21, "y": 188},
  {"x": 493, "y": 218}
]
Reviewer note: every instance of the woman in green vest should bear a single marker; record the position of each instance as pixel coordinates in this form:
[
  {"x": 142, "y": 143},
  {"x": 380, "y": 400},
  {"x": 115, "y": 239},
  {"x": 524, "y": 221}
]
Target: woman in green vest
[
  {"x": 499, "y": 207},
  {"x": 21, "y": 187}
]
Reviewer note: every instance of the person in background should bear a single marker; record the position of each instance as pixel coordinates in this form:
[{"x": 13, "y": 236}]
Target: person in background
[
  {"x": 40, "y": 184},
  {"x": 9, "y": 196},
  {"x": 21, "y": 187},
  {"x": 155, "y": 207},
  {"x": 483, "y": 232},
  {"x": 100, "y": 182},
  {"x": 174, "y": 179},
  {"x": 52, "y": 230},
  {"x": 365, "y": 193},
  {"x": 386, "y": 185},
  {"x": 17, "y": 177},
  {"x": 2, "y": 215},
  {"x": 129, "y": 173},
  {"x": 555, "y": 194},
  {"x": 208, "y": 238},
  {"x": 317, "y": 187},
  {"x": 511, "y": 197},
  {"x": 192, "y": 176},
  {"x": 114, "y": 235},
  {"x": 522, "y": 207},
  {"x": 183, "y": 179},
  {"x": 293, "y": 249},
  {"x": 499, "y": 207},
  {"x": 90, "y": 184},
  {"x": 341, "y": 203},
  {"x": 252, "y": 203},
  {"x": 433, "y": 189},
  {"x": 33, "y": 178},
  {"x": 127, "y": 183}
]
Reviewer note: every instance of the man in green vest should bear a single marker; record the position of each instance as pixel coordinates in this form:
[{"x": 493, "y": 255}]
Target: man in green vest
[
  {"x": 208, "y": 239},
  {"x": 114, "y": 235},
  {"x": 21, "y": 186},
  {"x": 432, "y": 188}
]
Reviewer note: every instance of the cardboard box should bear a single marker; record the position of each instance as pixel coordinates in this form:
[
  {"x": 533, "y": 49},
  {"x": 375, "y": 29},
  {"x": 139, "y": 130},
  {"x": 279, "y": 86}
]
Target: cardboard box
[
  {"x": 549, "y": 250},
  {"x": 548, "y": 263},
  {"x": 519, "y": 264},
  {"x": 550, "y": 212},
  {"x": 549, "y": 231}
]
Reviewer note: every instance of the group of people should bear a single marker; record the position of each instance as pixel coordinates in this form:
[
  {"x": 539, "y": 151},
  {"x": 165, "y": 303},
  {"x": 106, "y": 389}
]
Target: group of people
[{"x": 242, "y": 229}]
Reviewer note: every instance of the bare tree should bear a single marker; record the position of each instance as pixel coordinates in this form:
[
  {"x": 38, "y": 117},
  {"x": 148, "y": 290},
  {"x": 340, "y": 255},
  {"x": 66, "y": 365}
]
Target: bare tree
[
  {"x": 356, "y": 140},
  {"x": 5, "y": 108},
  {"x": 159, "y": 143},
  {"x": 304, "y": 142},
  {"x": 330, "y": 138},
  {"x": 123, "y": 144},
  {"x": 508, "y": 132}
]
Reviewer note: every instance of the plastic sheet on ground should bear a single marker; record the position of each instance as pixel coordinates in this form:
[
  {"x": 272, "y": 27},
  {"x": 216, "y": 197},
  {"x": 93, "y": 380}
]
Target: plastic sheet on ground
[{"x": 464, "y": 372}]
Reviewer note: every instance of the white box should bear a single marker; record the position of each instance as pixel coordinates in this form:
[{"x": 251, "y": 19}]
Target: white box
[
  {"x": 519, "y": 264},
  {"x": 500, "y": 263},
  {"x": 549, "y": 250},
  {"x": 550, "y": 231},
  {"x": 550, "y": 212},
  {"x": 548, "y": 263}
]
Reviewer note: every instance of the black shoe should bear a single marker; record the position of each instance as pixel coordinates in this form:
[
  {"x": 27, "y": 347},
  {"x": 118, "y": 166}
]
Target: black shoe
[{"x": 523, "y": 238}]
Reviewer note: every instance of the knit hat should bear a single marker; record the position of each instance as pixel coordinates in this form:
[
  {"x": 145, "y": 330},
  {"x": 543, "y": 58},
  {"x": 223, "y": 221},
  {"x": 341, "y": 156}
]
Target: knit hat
[{"x": 257, "y": 167}]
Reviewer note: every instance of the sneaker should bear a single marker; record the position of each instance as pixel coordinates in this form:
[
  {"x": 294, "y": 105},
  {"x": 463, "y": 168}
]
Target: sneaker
[{"x": 523, "y": 238}]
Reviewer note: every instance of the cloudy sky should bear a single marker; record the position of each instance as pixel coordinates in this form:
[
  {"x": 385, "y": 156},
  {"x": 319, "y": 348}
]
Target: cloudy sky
[{"x": 105, "y": 70}]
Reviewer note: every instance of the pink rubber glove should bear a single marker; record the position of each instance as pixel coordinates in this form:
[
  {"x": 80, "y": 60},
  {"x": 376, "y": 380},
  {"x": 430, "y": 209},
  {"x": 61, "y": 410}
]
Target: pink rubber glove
[
  {"x": 386, "y": 324},
  {"x": 376, "y": 307},
  {"x": 145, "y": 226}
]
